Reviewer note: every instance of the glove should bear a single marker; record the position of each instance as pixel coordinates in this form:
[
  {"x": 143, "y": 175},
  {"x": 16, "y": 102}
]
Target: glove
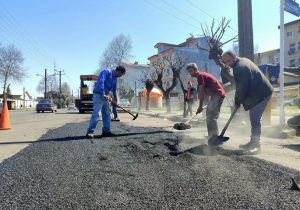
[
  {"x": 237, "y": 104},
  {"x": 107, "y": 97},
  {"x": 199, "y": 110}
]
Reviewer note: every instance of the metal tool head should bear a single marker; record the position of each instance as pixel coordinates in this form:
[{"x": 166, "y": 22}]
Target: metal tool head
[
  {"x": 137, "y": 114},
  {"x": 215, "y": 140}
]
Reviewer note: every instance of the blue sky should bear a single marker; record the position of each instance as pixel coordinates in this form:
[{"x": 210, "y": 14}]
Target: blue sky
[{"x": 75, "y": 33}]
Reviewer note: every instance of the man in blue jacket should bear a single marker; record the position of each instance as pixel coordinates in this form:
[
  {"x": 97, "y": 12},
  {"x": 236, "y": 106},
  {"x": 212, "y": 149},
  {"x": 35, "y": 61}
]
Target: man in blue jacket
[{"x": 106, "y": 82}]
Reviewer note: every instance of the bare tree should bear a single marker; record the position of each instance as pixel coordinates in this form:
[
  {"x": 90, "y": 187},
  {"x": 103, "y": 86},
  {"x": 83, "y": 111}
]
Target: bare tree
[
  {"x": 52, "y": 85},
  {"x": 65, "y": 89},
  {"x": 118, "y": 50},
  {"x": 148, "y": 80},
  {"x": 11, "y": 60},
  {"x": 213, "y": 37},
  {"x": 173, "y": 62}
]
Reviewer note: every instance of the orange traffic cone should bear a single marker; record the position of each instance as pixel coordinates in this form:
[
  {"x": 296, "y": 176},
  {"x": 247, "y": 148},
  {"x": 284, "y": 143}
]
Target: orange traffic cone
[{"x": 4, "y": 119}]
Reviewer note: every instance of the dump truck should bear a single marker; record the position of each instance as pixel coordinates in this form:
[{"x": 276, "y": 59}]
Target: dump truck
[{"x": 85, "y": 101}]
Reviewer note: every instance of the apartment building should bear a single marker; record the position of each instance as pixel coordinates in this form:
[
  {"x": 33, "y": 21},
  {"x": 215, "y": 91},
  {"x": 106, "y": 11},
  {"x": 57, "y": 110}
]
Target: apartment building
[
  {"x": 187, "y": 49},
  {"x": 292, "y": 43}
]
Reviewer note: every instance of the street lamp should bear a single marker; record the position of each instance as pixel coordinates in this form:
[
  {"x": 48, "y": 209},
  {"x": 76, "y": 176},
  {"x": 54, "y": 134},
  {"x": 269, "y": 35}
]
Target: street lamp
[{"x": 45, "y": 78}]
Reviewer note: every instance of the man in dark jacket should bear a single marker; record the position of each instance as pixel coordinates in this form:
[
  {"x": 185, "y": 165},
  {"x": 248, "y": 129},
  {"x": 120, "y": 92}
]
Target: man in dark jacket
[{"x": 253, "y": 91}]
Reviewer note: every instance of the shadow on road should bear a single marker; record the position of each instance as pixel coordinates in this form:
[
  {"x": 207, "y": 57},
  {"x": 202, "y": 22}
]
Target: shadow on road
[
  {"x": 206, "y": 150},
  {"x": 295, "y": 147},
  {"x": 76, "y": 138}
]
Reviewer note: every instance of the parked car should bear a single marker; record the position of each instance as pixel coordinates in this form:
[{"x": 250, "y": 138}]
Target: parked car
[
  {"x": 125, "y": 104},
  {"x": 46, "y": 105},
  {"x": 72, "y": 106}
]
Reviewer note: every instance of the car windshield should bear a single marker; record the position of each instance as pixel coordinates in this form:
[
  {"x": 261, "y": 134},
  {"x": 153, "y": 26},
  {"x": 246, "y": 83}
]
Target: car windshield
[{"x": 45, "y": 101}]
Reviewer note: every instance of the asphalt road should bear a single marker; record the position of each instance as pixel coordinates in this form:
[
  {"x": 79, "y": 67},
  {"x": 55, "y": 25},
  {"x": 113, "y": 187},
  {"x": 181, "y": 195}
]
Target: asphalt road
[{"x": 136, "y": 170}]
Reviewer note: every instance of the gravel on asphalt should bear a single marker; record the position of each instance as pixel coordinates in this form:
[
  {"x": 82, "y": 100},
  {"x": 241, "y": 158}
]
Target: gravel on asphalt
[{"x": 135, "y": 170}]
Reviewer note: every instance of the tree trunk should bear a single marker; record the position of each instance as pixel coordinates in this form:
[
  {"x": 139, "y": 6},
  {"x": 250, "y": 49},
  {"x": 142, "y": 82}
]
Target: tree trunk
[
  {"x": 168, "y": 104},
  {"x": 148, "y": 101},
  {"x": 4, "y": 90}
]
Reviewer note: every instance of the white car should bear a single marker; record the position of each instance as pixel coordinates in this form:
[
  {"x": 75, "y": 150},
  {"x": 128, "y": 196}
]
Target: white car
[{"x": 72, "y": 106}]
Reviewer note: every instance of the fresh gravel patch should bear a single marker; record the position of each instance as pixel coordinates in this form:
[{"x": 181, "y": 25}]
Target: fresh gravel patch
[{"x": 135, "y": 170}]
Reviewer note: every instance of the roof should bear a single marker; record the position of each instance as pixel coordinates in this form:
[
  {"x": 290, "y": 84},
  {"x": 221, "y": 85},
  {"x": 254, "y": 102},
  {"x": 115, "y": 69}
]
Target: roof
[
  {"x": 161, "y": 53},
  {"x": 165, "y": 44},
  {"x": 290, "y": 23},
  {"x": 134, "y": 65},
  {"x": 269, "y": 52}
]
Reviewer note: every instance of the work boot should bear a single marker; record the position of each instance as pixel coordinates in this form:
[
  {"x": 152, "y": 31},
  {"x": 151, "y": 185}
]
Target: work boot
[
  {"x": 115, "y": 119},
  {"x": 108, "y": 134},
  {"x": 89, "y": 135},
  {"x": 251, "y": 148}
]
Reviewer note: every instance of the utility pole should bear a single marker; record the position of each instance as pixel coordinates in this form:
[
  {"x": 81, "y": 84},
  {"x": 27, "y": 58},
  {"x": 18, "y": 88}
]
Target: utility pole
[
  {"x": 45, "y": 94},
  {"x": 23, "y": 97},
  {"x": 60, "y": 73},
  {"x": 245, "y": 26}
]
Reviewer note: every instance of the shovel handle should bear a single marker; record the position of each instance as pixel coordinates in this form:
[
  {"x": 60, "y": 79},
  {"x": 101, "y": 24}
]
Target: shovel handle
[
  {"x": 229, "y": 120},
  {"x": 189, "y": 120},
  {"x": 121, "y": 107}
]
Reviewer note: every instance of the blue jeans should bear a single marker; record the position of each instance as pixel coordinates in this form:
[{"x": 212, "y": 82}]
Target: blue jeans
[
  {"x": 255, "y": 119},
  {"x": 100, "y": 103},
  {"x": 114, "y": 109}
]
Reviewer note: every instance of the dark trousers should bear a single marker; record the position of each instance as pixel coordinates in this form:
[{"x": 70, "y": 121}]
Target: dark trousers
[
  {"x": 212, "y": 114},
  {"x": 255, "y": 119},
  {"x": 189, "y": 107}
]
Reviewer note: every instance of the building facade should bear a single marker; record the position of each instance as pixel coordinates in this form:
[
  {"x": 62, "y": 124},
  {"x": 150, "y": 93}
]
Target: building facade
[
  {"x": 191, "y": 54},
  {"x": 292, "y": 43},
  {"x": 133, "y": 79}
]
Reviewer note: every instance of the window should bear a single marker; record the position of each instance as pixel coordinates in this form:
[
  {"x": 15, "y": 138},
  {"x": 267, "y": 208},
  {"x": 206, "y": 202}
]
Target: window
[
  {"x": 292, "y": 49},
  {"x": 289, "y": 33},
  {"x": 271, "y": 59},
  {"x": 298, "y": 29},
  {"x": 292, "y": 63}
]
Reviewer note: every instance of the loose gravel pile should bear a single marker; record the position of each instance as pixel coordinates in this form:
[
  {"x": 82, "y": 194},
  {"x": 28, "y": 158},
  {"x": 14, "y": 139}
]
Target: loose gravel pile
[
  {"x": 135, "y": 171},
  {"x": 181, "y": 126}
]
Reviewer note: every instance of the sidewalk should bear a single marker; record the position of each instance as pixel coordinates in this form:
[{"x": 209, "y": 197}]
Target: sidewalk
[{"x": 275, "y": 148}]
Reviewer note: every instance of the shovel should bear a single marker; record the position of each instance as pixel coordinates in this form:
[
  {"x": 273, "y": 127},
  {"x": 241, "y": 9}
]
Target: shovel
[
  {"x": 189, "y": 120},
  {"x": 216, "y": 140},
  {"x": 134, "y": 116},
  {"x": 185, "y": 125}
]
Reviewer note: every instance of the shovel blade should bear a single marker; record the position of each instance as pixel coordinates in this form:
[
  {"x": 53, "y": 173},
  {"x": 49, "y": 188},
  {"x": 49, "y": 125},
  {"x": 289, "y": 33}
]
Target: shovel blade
[{"x": 217, "y": 140}]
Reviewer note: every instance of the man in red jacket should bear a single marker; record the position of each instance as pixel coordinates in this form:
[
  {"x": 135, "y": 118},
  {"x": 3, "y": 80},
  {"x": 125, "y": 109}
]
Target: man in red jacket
[{"x": 208, "y": 85}]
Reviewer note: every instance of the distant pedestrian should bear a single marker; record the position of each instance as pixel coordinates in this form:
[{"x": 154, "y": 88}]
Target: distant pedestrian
[
  {"x": 106, "y": 82},
  {"x": 208, "y": 85},
  {"x": 190, "y": 98},
  {"x": 253, "y": 91}
]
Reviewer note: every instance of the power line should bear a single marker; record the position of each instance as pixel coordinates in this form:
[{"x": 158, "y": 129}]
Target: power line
[
  {"x": 181, "y": 19},
  {"x": 165, "y": 11},
  {"x": 208, "y": 14},
  {"x": 25, "y": 33}
]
